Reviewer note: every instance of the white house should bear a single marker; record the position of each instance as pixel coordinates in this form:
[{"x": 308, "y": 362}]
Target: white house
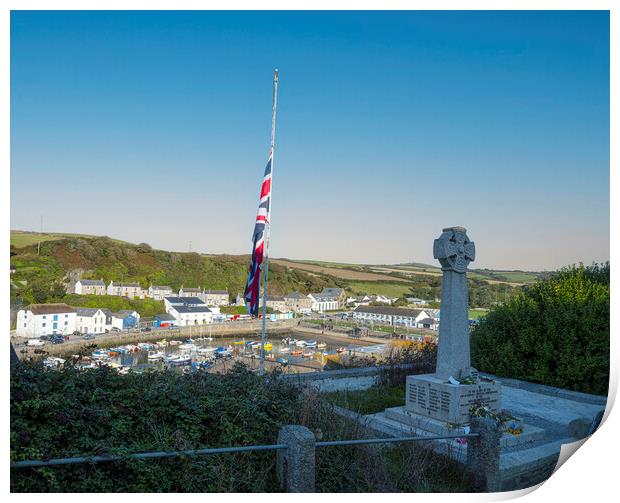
[
  {"x": 182, "y": 301},
  {"x": 90, "y": 320},
  {"x": 322, "y": 303},
  {"x": 159, "y": 292},
  {"x": 416, "y": 302},
  {"x": 45, "y": 319},
  {"x": 190, "y": 292},
  {"x": 394, "y": 316},
  {"x": 90, "y": 287},
  {"x": 129, "y": 290},
  {"x": 214, "y": 297},
  {"x": 191, "y": 314}
]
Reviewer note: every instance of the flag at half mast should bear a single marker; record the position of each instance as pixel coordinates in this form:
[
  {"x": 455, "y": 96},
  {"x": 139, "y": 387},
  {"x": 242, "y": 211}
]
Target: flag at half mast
[{"x": 259, "y": 249}]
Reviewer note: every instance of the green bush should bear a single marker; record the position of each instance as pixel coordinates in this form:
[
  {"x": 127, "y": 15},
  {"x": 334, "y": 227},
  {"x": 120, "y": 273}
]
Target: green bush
[
  {"x": 99, "y": 412},
  {"x": 555, "y": 332}
]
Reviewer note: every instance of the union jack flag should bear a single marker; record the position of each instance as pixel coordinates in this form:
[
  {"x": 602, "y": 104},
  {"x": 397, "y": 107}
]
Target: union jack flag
[{"x": 259, "y": 252}]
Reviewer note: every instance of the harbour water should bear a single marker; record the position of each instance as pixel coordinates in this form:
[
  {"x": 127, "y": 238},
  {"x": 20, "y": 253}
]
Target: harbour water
[{"x": 206, "y": 352}]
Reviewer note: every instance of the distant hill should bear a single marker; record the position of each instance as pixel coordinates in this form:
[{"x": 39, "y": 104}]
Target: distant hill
[{"x": 64, "y": 258}]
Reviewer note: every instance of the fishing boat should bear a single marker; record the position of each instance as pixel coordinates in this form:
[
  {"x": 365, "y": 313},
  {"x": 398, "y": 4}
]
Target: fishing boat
[
  {"x": 289, "y": 340},
  {"x": 146, "y": 346},
  {"x": 321, "y": 345},
  {"x": 190, "y": 346},
  {"x": 156, "y": 355},
  {"x": 175, "y": 343},
  {"x": 268, "y": 346},
  {"x": 296, "y": 353},
  {"x": 340, "y": 350},
  {"x": 53, "y": 362},
  {"x": 179, "y": 360},
  {"x": 163, "y": 343},
  {"x": 311, "y": 343},
  {"x": 201, "y": 365},
  {"x": 132, "y": 348},
  {"x": 99, "y": 354},
  {"x": 205, "y": 351},
  {"x": 238, "y": 343},
  {"x": 300, "y": 343}
]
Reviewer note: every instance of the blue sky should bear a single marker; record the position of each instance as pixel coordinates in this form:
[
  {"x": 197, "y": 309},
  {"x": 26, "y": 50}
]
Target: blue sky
[{"x": 154, "y": 126}]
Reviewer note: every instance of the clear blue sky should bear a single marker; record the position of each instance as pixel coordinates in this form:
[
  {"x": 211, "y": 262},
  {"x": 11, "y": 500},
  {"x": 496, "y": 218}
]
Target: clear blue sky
[{"x": 154, "y": 126}]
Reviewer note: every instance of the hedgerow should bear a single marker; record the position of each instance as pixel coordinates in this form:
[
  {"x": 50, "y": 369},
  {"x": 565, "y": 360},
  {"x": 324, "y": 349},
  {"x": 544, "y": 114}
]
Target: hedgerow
[{"x": 556, "y": 332}]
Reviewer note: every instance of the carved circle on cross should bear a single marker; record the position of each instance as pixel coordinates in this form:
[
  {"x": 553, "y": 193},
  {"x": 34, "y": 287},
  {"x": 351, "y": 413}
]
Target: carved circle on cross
[{"x": 454, "y": 250}]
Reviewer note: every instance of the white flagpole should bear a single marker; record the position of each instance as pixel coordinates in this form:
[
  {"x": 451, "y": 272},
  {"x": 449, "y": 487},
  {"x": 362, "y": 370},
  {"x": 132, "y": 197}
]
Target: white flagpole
[{"x": 268, "y": 230}]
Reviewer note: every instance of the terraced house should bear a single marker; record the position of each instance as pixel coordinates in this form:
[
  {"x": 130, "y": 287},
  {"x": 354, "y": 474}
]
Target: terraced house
[
  {"x": 298, "y": 302},
  {"x": 90, "y": 287},
  {"x": 130, "y": 290},
  {"x": 45, "y": 319},
  {"x": 394, "y": 316},
  {"x": 215, "y": 297},
  {"x": 159, "y": 292}
]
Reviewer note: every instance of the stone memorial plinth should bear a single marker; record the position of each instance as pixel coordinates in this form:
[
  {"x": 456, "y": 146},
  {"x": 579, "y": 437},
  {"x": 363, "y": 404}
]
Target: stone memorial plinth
[
  {"x": 431, "y": 396},
  {"x": 448, "y": 394}
]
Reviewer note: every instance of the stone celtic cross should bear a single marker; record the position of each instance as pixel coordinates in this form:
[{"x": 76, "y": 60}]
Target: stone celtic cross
[{"x": 454, "y": 251}]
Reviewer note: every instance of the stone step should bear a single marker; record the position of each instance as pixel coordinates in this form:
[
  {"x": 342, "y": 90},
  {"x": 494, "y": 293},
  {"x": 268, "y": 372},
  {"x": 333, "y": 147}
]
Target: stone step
[
  {"x": 528, "y": 467},
  {"x": 416, "y": 423}
]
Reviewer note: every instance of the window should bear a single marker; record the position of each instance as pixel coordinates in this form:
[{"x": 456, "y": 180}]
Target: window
[
  {"x": 42, "y": 324},
  {"x": 25, "y": 324}
]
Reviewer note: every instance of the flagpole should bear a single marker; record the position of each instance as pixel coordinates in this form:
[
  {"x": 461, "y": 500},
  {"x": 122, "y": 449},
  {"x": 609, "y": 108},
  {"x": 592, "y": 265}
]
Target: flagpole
[{"x": 268, "y": 230}]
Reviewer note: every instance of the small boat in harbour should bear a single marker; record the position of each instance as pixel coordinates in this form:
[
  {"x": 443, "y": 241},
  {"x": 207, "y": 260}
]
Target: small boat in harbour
[
  {"x": 285, "y": 350},
  {"x": 300, "y": 343},
  {"x": 156, "y": 355},
  {"x": 296, "y": 353},
  {"x": 53, "y": 362},
  {"x": 175, "y": 343},
  {"x": 311, "y": 343},
  {"x": 340, "y": 350},
  {"x": 321, "y": 345},
  {"x": 308, "y": 355},
  {"x": 289, "y": 340}
]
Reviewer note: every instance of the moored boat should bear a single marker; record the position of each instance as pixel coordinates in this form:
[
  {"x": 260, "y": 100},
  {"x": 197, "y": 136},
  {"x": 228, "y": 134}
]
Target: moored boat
[{"x": 156, "y": 355}]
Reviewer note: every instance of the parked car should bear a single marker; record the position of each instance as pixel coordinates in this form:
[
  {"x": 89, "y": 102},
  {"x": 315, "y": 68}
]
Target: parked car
[
  {"x": 114, "y": 329},
  {"x": 88, "y": 337},
  {"x": 145, "y": 329},
  {"x": 58, "y": 340},
  {"x": 77, "y": 332}
]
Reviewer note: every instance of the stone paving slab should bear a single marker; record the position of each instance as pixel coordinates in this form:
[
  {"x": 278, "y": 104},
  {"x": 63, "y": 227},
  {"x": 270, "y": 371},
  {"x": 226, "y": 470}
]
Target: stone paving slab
[{"x": 569, "y": 417}]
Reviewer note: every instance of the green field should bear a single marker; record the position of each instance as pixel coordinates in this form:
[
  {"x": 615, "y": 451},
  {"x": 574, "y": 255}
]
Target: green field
[
  {"x": 21, "y": 239},
  {"x": 378, "y": 288}
]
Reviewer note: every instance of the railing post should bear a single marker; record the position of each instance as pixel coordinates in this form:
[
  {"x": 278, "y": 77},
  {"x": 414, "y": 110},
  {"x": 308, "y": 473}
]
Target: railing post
[
  {"x": 295, "y": 465},
  {"x": 483, "y": 454}
]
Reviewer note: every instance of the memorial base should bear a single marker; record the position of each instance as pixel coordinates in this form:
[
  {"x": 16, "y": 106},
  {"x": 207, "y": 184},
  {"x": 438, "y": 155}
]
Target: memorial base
[{"x": 435, "y": 398}]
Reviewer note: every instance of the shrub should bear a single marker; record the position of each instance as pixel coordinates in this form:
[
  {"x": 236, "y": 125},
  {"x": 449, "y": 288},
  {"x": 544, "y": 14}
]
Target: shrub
[{"x": 555, "y": 332}]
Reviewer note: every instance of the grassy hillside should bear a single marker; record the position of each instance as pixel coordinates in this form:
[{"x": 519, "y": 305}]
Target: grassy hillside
[
  {"x": 39, "y": 278},
  {"x": 64, "y": 259}
]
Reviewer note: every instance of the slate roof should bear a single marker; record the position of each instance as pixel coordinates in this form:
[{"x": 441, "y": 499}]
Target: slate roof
[
  {"x": 216, "y": 292},
  {"x": 165, "y": 317},
  {"x": 91, "y": 282},
  {"x": 184, "y": 300},
  {"x": 156, "y": 287},
  {"x": 191, "y": 289},
  {"x": 390, "y": 311},
  {"x": 126, "y": 285},
  {"x": 87, "y": 311},
  {"x": 50, "y": 308},
  {"x": 296, "y": 295},
  {"x": 331, "y": 292},
  {"x": 427, "y": 321},
  {"x": 275, "y": 298},
  {"x": 192, "y": 309}
]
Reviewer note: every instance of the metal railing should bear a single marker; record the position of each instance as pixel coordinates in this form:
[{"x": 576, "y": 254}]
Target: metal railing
[{"x": 221, "y": 450}]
